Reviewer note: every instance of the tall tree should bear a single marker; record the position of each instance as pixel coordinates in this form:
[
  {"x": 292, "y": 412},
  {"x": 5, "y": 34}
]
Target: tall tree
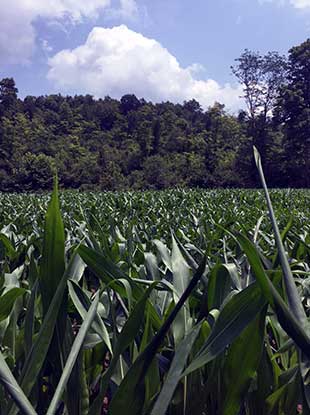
[
  {"x": 8, "y": 94},
  {"x": 262, "y": 77},
  {"x": 294, "y": 110}
]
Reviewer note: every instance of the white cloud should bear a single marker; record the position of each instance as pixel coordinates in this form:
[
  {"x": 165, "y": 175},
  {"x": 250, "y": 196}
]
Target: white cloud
[
  {"x": 298, "y": 4},
  {"x": 17, "y": 33},
  {"x": 301, "y": 4},
  {"x": 118, "y": 61},
  {"x": 127, "y": 10}
]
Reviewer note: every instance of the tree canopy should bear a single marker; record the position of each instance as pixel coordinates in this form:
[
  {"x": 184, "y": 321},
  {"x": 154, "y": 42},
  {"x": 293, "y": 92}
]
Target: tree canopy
[{"x": 110, "y": 144}]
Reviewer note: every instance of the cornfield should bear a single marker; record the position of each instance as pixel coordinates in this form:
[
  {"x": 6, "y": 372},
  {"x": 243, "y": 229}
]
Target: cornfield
[{"x": 173, "y": 302}]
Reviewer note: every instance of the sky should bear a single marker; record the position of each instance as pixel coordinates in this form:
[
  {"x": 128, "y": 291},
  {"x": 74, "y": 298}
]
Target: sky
[{"x": 161, "y": 50}]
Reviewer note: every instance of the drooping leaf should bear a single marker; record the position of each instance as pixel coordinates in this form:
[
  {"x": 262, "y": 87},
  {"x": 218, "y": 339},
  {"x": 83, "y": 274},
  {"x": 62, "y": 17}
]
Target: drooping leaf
[
  {"x": 237, "y": 313},
  {"x": 7, "y": 301}
]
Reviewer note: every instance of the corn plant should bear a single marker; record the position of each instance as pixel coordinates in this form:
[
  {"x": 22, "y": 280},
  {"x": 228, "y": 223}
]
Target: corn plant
[{"x": 175, "y": 302}]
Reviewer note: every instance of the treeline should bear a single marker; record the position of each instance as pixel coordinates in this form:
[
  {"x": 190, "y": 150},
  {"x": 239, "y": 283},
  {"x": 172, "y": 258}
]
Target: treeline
[{"x": 110, "y": 144}]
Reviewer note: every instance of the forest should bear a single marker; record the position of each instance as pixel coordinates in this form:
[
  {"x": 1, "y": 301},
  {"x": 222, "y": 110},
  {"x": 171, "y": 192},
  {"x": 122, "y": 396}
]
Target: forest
[{"x": 110, "y": 144}]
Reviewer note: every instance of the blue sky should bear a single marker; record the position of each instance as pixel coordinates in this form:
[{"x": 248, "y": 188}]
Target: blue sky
[{"x": 158, "y": 49}]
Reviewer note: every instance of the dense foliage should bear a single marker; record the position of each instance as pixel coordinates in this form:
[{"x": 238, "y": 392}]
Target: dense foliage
[
  {"x": 111, "y": 144},
  {"x": 152, "y": 303}
]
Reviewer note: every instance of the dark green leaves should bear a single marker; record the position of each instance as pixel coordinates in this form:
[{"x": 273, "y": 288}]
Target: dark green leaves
[
  {"x": 13, "y": 388},
  {"x": 241, "y": 363},
  {"x": 177, "y": 365},
  {"x": 7, "y": 301},
  {"x": 132, "y": 386},
  {"x": 75, "y": 350},
  {"x": 53, "y": 261},
  {"x": 286, "y": 318},
  {"x": 236, "y": 314}
]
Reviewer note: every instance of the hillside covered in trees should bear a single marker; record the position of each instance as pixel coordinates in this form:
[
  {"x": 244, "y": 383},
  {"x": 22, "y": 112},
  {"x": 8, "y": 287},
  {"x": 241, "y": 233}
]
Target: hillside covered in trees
[{"x": 110, "y": 144}]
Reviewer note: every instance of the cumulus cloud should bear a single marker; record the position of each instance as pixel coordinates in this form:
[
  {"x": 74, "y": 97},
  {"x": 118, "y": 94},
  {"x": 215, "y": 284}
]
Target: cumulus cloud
[
  {"x": 117, "y": 61},
  {"x": 17, "y": 33}
]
